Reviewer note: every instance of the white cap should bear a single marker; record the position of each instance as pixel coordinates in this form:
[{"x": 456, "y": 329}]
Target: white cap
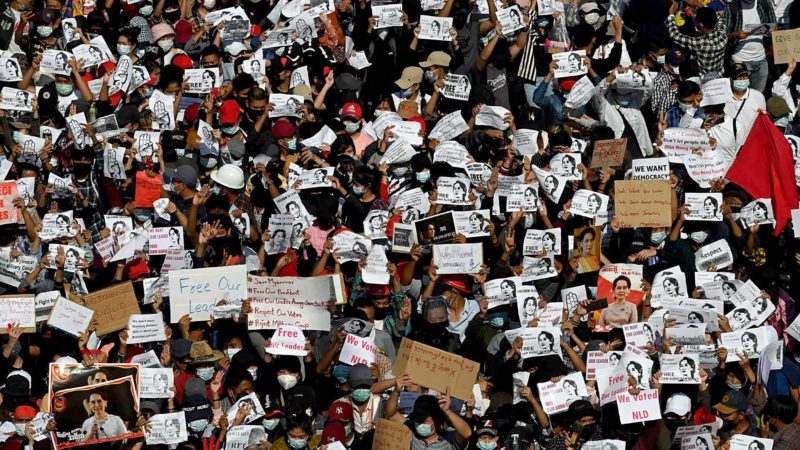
[{"x": 679, "y": 404}]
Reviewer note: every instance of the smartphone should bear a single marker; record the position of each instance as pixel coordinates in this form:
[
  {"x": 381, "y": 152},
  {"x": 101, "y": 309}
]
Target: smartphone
[{"x": 597, "y": 305}]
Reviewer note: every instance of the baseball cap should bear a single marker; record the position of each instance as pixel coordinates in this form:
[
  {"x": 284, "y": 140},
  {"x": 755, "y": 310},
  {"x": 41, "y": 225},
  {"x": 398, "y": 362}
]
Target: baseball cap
[
  {"x": 437, "y": 58},
  {"x": 589, "y": 7},
  {"x": 340, "y": 411},
  {"x": 360, "y": 375},
  {"x": 185, "y": 174},
  {"x": 487, "y": 429},
  {"x": 777, "y": 107},
  {"x": 283, "y": 129},
  {"x": 229, "y": 112},
  {"x": 303, "y": 91},
  {"x": 192, "y": 113},
  {"x": 183, "y": 61},
  {"x": 181, "y": 348},
  {"x": 24, "y": 412},
  {"x": 738, "y": 70},
  {"x": 679, "y": 404},
  {"x": 732, "y": 401},
  {"x": 411, "y": 75},
  {"x": 183, "y": 31},
  {"x": 351, "y": 110}
]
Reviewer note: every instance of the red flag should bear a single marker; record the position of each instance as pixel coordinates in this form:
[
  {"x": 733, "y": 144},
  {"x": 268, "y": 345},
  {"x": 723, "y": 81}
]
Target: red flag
[{"x": 764, "y": 167}]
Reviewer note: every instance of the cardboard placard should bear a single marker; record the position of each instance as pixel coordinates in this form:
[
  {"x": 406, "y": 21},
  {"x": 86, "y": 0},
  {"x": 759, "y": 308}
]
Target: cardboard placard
[
  {"x": 643, "y": 203},
  {"x": 786, "y": 45},
  {"x": 112, "y": 306},
  {"x": 436, "y": 369},
  {"x": 609, "y": 153},
  {"x": 391, "y": 435}
]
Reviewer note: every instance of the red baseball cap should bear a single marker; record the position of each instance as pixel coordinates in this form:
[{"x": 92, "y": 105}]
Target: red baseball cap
[
  {"x": 377, "y": 290},
  {"x": 567, "y": 83},
  {"x": 421, "y": 121},
  {"x": 229, "y": 112},
  {"x": 351, "y": 110},
  {"x": 283, "y": 129},
  {"x": 458, "y": 282},
  {"x": 192, "y": 112},
  {"x": 137, "y": 268},
  {"x": 340, "y": 411},
  {"x": 183, "y": 61},
  {"x": 28, "y": 412}
]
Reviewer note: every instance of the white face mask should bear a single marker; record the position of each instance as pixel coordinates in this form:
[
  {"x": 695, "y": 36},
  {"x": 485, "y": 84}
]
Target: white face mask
[
  {"x": 287, "y": 381},
  {"x": 270, "y": 424},
  {"x": 658, "y": 237},
  {"x": 230, "y": 352},
  {"x": 591, "y": 18},
  {"x": 209, "y": 3},
  {"x": 698, "y": 236},
  {"x": 166, "y": 44}
]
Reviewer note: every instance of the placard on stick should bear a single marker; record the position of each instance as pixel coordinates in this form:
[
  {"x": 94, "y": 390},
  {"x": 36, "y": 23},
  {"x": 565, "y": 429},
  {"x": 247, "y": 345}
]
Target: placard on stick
[
  {"x": 391, "y": 435},
  {"x": 609, "y": 153},
  {"x": 430, "y": 367},
  {"x": 786, "y": 45},
  {"x": 112, "y": 306},
  {"x": 643, "y": 203}
]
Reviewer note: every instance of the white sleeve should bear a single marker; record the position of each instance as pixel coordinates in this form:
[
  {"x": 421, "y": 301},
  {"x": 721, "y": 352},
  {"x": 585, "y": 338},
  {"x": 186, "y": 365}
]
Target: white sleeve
[{"x": 780, "y": 87}]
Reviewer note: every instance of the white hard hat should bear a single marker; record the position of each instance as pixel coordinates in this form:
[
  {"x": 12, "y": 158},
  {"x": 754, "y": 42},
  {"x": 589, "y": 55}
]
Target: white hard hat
[{"x": 230, "y": 176}]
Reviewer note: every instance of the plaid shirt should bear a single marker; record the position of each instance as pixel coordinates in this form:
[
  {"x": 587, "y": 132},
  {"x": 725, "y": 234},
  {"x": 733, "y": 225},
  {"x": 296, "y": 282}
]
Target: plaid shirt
[
  {"x": 664, "y": 95},
  {"x": 708, "y": 48},
  {"x": 733, "y": 17}
]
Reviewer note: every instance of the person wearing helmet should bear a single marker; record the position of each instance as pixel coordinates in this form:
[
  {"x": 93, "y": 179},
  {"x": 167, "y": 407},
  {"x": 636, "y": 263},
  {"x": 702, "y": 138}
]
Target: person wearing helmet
[{"x": 228, "y": 182}]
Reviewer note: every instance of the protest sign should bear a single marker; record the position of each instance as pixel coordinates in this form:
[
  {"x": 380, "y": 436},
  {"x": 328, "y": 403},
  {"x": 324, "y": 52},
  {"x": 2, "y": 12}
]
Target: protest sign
[
  {"x": 704, "y": 167},
  {"x": 526, "y": 141},
  {"x": 758, "y": 212},
  {"x": 678, "y": 142},
  {"x": 639, "y": 334},
  {"x": 297, "y": 301},
  {"x": 162, "y": 239},
  {"x": 605, "y": 444},
  {"x": 449, "y": 127},
  {"x": 147, "y": 359},
  {"x": 542, "y": 241},
  {"x": 452, "y": 153},
  {"x": 458, "y": 258},
  {"x": 588, "y": 203},
  {"x": 357, "y": 350},
  {"x": 538, "y": 268},
  {"x": 566, "y": 165},
  {"x": 70, "y": 317},
  {"x": 716, "y": 254},
  {"x": 287, "y": 340},
  {"x": 643, "y": 407},
  {"x": 749, "y": 342},
  {"x": 435, "y": 28},
  {"x": 148, "y": 190},
  {"x": 633, "y": 80},
  {"x": 403, "y": 238},
  {"x": 705, "y": 206},
  {"x": 580, "y": 94},
  {"x": 391, "y": 435},
  {"x": 17, "y": 310},
  {"x": 556, "y": 397},
  {"x": 570, "y": 64},
  {"x": 375, "y": 272},
  {"x": 167, "y": 429},
  {"x": 43, "y": 304},
  {"x": 717, "y": 91},
  {"x": 643, "y": 203},
  {"x": 472, "y": 223},
  {"x": 10, "y": 70},
  {"x": 146, "y": 328},
  {"x": 197, "y": 291},
  {"x": 436, "y": 229},
  {"x": 609, "y": 153},
  {"x": 680, "y": 369},
  {"x": 745, "y": 442},
  {"x": 255, "y": 407},
  {"x": 156, "y": 382},
  {"x": 112, "y": 306},
  {"x": 599, "y": 360},
  {"x": 351, "y": 246},
  {"x": 646, "y": 169},
  {"x": 436, "y": 369},
  {"x": 786, "y": 45},
  {"x": 8, "y": 212},
  {"x": 456, "y": 87},
  {"x": 610, "y": 272}
]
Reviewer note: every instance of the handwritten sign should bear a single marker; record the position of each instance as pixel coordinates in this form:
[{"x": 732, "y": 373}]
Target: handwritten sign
[
  {"x": 357, "y": 350},
  {"x": 458, "y": 258},
  {"x": 391, "y": 435},
  {"x": 18, "y": 309},
  {"x": 786, "y": 45},
  {"x": 297, "y": 301},
  {"x": 112, "y": 307},
  {"x": 287, "y": 340},
  {"x": 609, "y": 153},
  {"x": 70, "y": 317},
  {"x": 196, "y": 291},
  {"x": 677, "y": 142},
  {"x": 146, "y": 328},
  {"x": 437, "y": 369},
  {"x": 643, "y": 203},
  {"x": 638, "y": 408},
  {"x": 8, "y": 212}
]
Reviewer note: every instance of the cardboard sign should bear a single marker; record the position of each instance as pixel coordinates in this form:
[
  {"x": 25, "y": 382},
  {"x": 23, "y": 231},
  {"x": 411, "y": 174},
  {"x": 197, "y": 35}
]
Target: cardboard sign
[
  {"x": 197, "y": 291},
  {"x": 786, "y": 45},
  {"x": 436, "y": 369},
  {"x": 297, "y": 301},
  {"x": 357, "y": 350},
  {"x": 638, "y": 408},
  {"x": 609, "y": 153},
  {"x": 148, "y": 190},
  {"x": 391, "y": 435},
  {"x": 287, "y": 340},
  {"x": 146, "y": 328},
  {"x": 8, "y": 212},
  {"x": 19, "y": 309},
  {"x": 112, "y": 306},
  {"x": 643, "y": 203}
]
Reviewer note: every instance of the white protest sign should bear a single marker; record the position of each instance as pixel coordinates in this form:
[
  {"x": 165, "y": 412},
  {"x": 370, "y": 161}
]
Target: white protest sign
[
  {"x": 70, "y": 317},
  {"x": 704, "y": 167},
  {"x": 197, "y": 291},
  {"x": 164, "y": 238},
  {"x": 457, "y": 87},
  {"x": 435, "y": 28},
  {"x": 680, "y": 369},
  {"x": 650, "y": 169},
  {"x": 43, "y": 304},
  {"x": 717, "y": 92},
  {"x": 580, "y": 94},
  {"x": 18, "y": 310},
  {"x": 146, "y": 328},
  {"x": 375, "y": 271},
  {"x": 297, "y": 301},
  {"x": 570, "y": 64},
  {"x": 256, "y": 408},
  {"x": 556, "y": 397},
  {"x": 745, "y": 442},
  {"x": 677, "y": 142},
  {"x": 638, "y": 408},
  {"x": 154, "y": 382},
  {"x": 458, "y": 258},
  {"x": 357, "y": 350},
  {"x": 717, "y": 254},
  {"x": 287, "y": 340},
  {"x": 449, "y": 127},
  {"x": 706, "y": 206},
  {"x": 167, "y": 429}
]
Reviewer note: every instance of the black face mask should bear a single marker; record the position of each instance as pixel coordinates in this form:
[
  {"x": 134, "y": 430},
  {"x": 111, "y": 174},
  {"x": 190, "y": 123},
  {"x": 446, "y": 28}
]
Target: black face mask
[
  {"x": 382, "y": 313},
  {"x": 82, "y": 170},
  {"x": 673, "y": 424},
  {"x": 172, "y": 16}
]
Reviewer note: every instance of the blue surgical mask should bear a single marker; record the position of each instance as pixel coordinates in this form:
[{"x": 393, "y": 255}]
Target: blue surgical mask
[
  {"x": 623, "y": 100},
  {"x": 424, "y": 429},
  {"x": 146, "y": 10},
  {"x": 16, "y": 136},
  {"x": 292, "y": 145},
  {"x": 496, "y": 322},
  {"x": 20, "y": 428},
  {"x": 407, "y": 93},
  {"x": 684, "y": 106},
  {"x": 658, "y": 237},
  {"x": 741, "y": 85},
  {"x": 358, "y": 191},
  {"x": 352, "y": 127},
  {"x": 360, "y": 395},
  {"x": 782, "y": 121},
  {"x": 297, "y": 443},
  {"x": 44, "y": 31},
  {"x": 198, "y": 426},
  {"x": 206, "y": 373},
  {"x": 270, "y": 424},
  {"x": 423, "y": 177},
  {"x": 734, "y": 385},
  {"x": 231, "y": 352},
  {"x": 180, "y": 152},
  {"x": 64, "y": 88},
  {"x": 348, "y": 430},
  {"x": 123, "y": 49},
  {"x": 481, "y": 445},
  {"x": 430, "y": 75},
  {"x": 230, "y": 131}
]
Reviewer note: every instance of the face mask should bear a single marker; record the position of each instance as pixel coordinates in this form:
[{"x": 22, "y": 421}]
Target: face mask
[
  {"x": 82, "y": 170},
  {"x": 741, "y": 85},
  {"x": 528, "y": 220},
  {"x": 231, "y": 352},
  {"x": 180, "y": 152},
  {"x": 658, "y": 237},
  {"x": 205, "y": 373},
  {"x": 166, "y": 44},
  {"x": 212, "y": 162},
  {"x": 64, "y": 88},
  {"x": 542, "y": 23},
  {"x": 661, "y": 59},
  {"x": 400, "y": 171},
  {"x": 431, "y": 75},
  {"x": 123, "y": 49},
  {"x": 253, "y": 373},
  {"x": 423, "y": 177},
  {"x": 623, "y": 100},
  {"x": 44, "y": 31},
  {"x": 360, "y": 395},
  {"x": 198, "y": 426},
  {"x": 20, "y": 428},
  {"x": 358, "y": 191},
  {"x": 380, "y": 112},
  {"x": 146, "y": 10},
  {"x": 694, "y": 79},
  {"x": 297, "y": 443},
  {"x": 684, "y": 106},
  {"x": 287, "y": 381},
  {"x": 424, "y": 429},
  {"x": 16, "y": 136},
  {"x": 292, "y": 145},
  {"x": 230, "y": 131},
  {"x": 591, "y": 18},
  {"x": 496, "y": 322},
  {"x": 698, "y": 236},
  {"x": 270, "y": 424},
  {"x": 352, "y": 127},
  {"x": 735, "y": 386},
  {"x": 348, "y": 430},
  {"x": 209, "y": 4},
  {"x": 3, "y": 158},
  {"x": 782, "y": 122},
  {"x": 486, "y": 445},
  {"x": 407, "y": 93}
]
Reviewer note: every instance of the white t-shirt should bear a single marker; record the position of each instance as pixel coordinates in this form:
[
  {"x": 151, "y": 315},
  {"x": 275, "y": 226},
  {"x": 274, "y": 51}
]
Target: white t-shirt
[
  {"x": 752, "y": 47},
  {"x": 112, "y": 426}
]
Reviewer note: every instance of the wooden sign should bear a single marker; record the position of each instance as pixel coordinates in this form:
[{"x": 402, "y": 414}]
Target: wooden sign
[
  {"x": 609, "y": 153},
  {"x": 437, "y": 369},
  {"x": 643, "y": 203},
  {"x": 786, "y": 45},
  {"x": 112, "y": 306},
  {"x": 391, "y": 435}
]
